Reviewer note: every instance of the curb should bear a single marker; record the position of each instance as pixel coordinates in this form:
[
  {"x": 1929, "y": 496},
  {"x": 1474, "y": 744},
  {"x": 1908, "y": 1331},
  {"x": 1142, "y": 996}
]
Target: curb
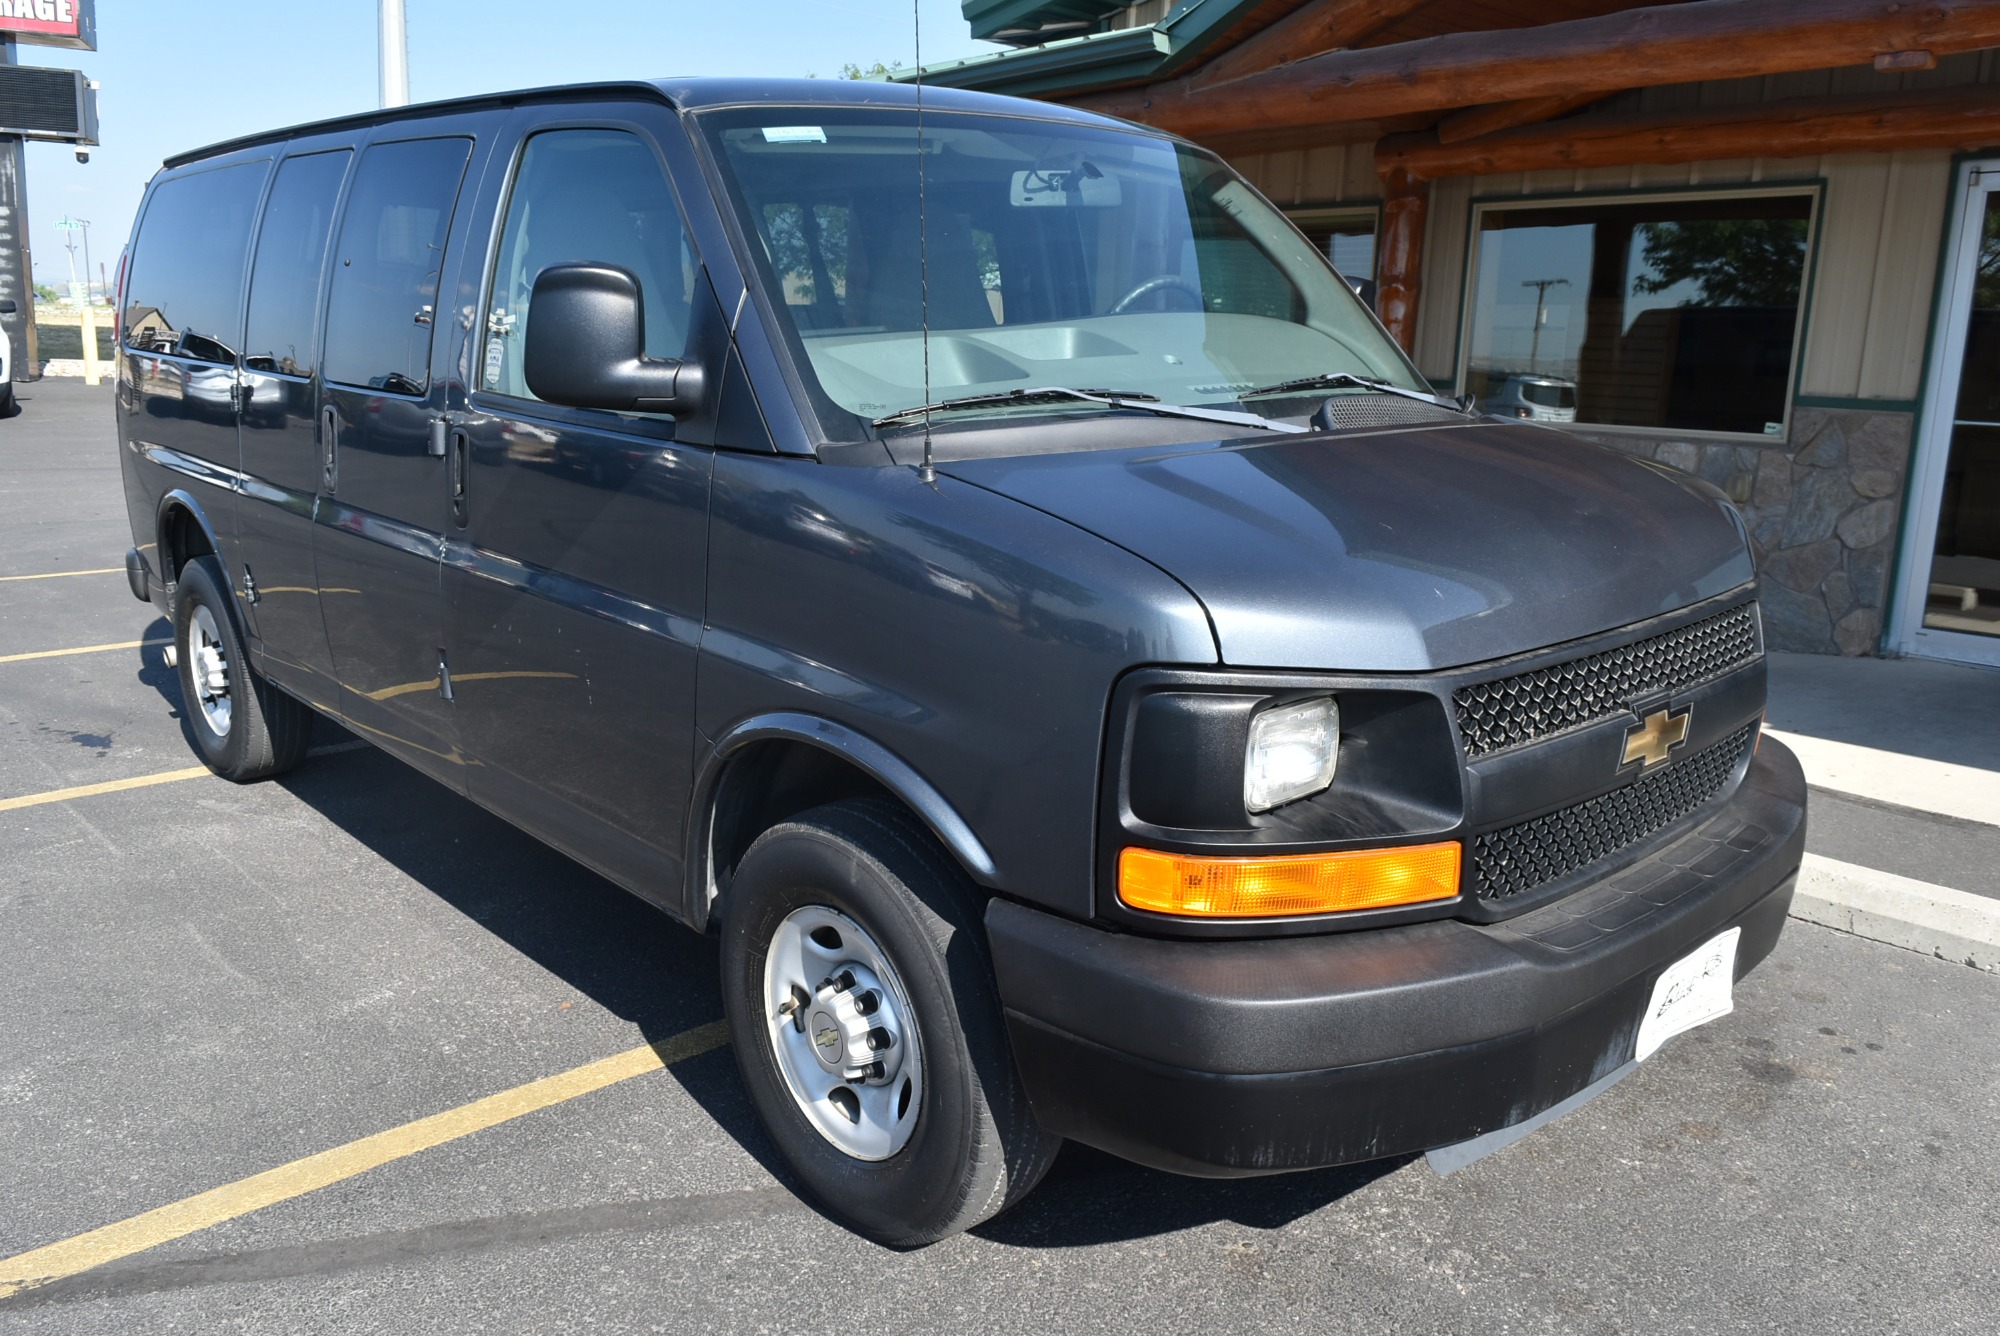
[{"x": 1951, "y": 925}]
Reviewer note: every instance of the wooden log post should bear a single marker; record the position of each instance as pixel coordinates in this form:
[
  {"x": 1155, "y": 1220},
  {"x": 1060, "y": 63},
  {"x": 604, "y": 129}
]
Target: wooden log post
[
  {"x": 1399, "y": 261},
  {"x": 1477, "y": 122},
  {"x": 1955, "y": 118},
  {"x": 1322, "y": 25},
  {"x": 1635, "y": 48}
]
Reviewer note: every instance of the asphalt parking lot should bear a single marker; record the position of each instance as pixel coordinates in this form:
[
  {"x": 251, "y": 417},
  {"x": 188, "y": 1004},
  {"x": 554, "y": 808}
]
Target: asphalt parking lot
[{"x": 204, "y": 982}]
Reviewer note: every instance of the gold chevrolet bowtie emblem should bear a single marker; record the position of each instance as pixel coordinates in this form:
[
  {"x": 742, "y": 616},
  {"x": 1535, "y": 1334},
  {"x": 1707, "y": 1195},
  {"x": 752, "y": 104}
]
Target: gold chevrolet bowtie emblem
[{"x": 1661, "y": 733}]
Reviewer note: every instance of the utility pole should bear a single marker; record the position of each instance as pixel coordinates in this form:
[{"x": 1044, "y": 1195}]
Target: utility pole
[
  {"x": 84, "y": 223},
  {"x": 394, "y": 47},
  {"x": 68, "y": 226},
  {"x": 1541, "y": 287}
]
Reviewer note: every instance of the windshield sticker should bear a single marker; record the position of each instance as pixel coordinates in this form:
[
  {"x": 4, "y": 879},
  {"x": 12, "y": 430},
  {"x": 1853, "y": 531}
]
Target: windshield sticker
[{"x": 794, "y": 134}]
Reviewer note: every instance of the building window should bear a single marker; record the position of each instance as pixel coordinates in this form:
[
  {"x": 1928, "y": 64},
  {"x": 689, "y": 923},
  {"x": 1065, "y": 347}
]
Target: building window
[
  {"x": 1346, "y": 237},
  {"x": 1678, "y": 313}
]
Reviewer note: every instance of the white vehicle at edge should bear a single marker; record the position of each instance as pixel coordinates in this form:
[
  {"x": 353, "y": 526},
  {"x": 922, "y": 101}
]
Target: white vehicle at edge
[
  {"x": 6, "y": 365},
  {"x": 1535, "y": 398}
]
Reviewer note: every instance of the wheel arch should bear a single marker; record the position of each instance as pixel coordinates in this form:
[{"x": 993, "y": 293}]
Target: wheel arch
[
  {"x": 773, "y": 766},
  {"x": 184, "y": 532}
]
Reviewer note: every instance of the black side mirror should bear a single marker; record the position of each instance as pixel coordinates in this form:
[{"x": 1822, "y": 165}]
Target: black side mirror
[
  {"x": 586, "y": 346},
  {"x": 7, "y": 308}
]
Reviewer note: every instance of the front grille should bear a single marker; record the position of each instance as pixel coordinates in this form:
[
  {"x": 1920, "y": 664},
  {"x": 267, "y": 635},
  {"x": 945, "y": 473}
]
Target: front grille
[
  {"x": 1546, "y": 701},
  {"x": 1516, "y": 859}
]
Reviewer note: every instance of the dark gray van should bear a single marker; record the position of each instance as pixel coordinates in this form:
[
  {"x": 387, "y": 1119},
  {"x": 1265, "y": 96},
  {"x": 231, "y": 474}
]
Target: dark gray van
[{"x": 977, "y": 559}]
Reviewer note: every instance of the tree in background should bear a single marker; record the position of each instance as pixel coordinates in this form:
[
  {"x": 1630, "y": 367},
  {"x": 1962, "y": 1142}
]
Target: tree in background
[{"x": 1731, "y": 261}]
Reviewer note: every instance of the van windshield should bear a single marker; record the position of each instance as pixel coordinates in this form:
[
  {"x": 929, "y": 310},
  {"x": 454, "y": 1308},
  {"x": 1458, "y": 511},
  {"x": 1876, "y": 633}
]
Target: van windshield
[{"x": 1058, "y": 255}]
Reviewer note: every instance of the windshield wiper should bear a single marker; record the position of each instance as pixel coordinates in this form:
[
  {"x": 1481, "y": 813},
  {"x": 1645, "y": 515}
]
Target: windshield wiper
[
  {"x": 1126, "y": 399},
  {"x": 1335, "y": 379}
]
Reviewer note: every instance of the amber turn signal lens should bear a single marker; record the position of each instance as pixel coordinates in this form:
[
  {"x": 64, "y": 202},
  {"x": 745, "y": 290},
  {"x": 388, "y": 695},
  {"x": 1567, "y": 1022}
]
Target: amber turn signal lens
[{"x": 1287, "y": 884}]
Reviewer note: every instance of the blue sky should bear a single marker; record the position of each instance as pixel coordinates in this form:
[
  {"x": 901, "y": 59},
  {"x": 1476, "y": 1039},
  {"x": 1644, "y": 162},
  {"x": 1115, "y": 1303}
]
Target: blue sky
[{"x": 177, "y": 76}]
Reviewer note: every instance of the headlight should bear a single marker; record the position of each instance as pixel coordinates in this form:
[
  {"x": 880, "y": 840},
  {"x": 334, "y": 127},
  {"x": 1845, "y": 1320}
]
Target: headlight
[{"x": 1291, "y": 753}]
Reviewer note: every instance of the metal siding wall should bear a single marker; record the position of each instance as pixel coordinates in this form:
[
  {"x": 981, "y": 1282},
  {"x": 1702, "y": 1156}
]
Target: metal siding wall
[
  {"x": 1880, "y": 224},
  {"x": 1850, "y": 238},
  {"x": 1877, "y": 243},
  {"x": 1443, "y": 277},
  {"x": 1919, "y": 195}
]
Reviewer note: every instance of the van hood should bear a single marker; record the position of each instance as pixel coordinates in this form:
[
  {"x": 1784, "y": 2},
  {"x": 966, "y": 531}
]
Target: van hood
[{"x": 1398, "y": 551}]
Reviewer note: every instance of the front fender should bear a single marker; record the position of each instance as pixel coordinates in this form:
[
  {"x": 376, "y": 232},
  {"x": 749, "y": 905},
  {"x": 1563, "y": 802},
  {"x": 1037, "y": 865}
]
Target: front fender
[{"x": 891, "y": 771}]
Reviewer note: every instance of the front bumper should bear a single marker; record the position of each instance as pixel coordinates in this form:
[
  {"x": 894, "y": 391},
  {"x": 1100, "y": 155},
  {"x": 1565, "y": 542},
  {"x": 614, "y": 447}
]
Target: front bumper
[{"x": 1231, "y": 1058}]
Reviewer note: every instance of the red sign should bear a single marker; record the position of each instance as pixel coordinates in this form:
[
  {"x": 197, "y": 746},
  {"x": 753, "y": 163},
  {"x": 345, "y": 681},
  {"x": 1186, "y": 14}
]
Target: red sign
[{"x": 71, "y": 23}]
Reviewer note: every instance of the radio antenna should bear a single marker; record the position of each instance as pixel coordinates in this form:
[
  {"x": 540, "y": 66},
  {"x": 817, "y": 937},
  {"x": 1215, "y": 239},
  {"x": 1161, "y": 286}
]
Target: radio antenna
[{"x": 926, "y": 474}]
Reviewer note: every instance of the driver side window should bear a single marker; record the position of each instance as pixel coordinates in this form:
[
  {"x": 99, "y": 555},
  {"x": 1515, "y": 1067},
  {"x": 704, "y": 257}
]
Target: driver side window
[{"x": 586, "y": 197}]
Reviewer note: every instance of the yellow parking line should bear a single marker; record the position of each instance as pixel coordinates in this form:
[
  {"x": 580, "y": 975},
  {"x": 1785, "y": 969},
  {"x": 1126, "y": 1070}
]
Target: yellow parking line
[
  {"x": 108, "y": 786},
  {"x": 81, "y": 649},
  {"x": 57, "y": 575},
  {"x": 166, "y": 1223},
  {"x": 147, "y": 781}
]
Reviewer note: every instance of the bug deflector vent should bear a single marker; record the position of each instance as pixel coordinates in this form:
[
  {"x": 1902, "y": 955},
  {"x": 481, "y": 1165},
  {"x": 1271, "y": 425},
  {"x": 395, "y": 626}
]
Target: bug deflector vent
[
  {"x": 1515, "y": 859},
  {"x": 1562, "y": 696}
]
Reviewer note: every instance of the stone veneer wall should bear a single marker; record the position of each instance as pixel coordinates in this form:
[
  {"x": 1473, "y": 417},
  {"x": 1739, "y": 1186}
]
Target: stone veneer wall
[{"x": 1822, "y": 508}]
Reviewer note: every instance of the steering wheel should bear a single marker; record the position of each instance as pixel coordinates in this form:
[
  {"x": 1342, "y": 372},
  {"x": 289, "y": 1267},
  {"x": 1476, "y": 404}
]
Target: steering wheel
[{"x": 1158, "y": 283}]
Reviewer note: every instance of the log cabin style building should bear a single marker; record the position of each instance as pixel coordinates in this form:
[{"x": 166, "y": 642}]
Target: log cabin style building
[{"x": 1758, "y": 240}]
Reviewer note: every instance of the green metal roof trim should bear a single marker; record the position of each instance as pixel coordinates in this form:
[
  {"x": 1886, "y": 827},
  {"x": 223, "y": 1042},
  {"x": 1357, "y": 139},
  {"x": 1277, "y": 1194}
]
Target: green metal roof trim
[
  {"x": 988, "y": 17},
  {"x": 1079, "y": 64}
]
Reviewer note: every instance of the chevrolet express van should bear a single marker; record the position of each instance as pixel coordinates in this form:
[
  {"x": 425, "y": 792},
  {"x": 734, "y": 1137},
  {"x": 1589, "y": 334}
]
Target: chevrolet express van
[{"x": 977, "y": 560}]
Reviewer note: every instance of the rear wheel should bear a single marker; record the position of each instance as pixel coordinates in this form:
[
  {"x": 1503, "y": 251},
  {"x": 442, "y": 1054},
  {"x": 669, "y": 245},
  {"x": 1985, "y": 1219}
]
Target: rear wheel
[
  {"x": 245, "y": 728},
  {"x": 866, "y": 1023}
]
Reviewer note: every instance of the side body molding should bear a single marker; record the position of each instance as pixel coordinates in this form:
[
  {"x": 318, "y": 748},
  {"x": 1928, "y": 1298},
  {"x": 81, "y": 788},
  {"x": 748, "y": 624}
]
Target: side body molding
[{"x": 887, "y": 768}]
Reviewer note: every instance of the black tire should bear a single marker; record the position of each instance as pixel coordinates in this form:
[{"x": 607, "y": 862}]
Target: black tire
[
  {"x": 976, "y": 1148},
  {"x": 267, "y": 731},
  {"x": 8, "y": 407}
]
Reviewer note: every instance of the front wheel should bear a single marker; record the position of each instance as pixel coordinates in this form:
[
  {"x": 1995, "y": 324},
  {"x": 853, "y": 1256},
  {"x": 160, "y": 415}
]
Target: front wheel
[
  {"x": 245, "y": 728},
  {"x": 867, "y": 1026}
]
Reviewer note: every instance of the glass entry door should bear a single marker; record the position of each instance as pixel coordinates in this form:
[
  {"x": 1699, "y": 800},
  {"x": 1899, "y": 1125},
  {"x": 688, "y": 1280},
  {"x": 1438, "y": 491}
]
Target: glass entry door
[{"x": 1950, "y": 604}]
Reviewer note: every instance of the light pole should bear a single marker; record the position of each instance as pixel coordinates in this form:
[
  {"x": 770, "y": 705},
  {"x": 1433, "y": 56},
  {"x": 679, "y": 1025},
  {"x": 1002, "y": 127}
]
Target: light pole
[
  {"x": 1541, "y": 287},
  {"x": 394, "y": 47}
]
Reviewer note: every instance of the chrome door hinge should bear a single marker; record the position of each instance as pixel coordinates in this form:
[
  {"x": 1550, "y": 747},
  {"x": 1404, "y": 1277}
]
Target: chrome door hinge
[
  {"x": 237, "y": 394},
  {"x": 249, "y": 587}
]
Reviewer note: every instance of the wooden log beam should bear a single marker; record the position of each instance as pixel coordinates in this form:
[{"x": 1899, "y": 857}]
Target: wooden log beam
[
  {"x": 1487, "y": 120},
  {"x": 1661, "y": 44},
  {"x": 1960, "y": 118},
  {"x": 1406, "y": 200},
  {"x": 1322, "y": 25}
]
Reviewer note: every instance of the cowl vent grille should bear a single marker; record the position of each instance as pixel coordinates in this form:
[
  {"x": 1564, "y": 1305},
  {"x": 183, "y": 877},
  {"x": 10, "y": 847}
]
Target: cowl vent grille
[
  {"x": 1346, "y": 412},
  {"x": 1546, "y": 701}
]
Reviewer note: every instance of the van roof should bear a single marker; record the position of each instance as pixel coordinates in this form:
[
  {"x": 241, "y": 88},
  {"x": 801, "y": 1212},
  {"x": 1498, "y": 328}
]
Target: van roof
[{"x": 687, "y": 94}]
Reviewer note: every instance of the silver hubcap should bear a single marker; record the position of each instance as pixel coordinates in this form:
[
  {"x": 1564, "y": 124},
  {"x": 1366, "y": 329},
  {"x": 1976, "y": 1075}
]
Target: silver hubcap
[
  {"x": 842, "y": 1032},
  {"x": 208, "y": 665}
]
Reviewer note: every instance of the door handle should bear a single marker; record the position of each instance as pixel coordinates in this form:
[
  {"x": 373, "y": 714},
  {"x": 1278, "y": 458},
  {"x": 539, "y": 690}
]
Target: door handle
[
  {"x": 329, "y": 430},
  {"x": 461, "y": 447}
]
